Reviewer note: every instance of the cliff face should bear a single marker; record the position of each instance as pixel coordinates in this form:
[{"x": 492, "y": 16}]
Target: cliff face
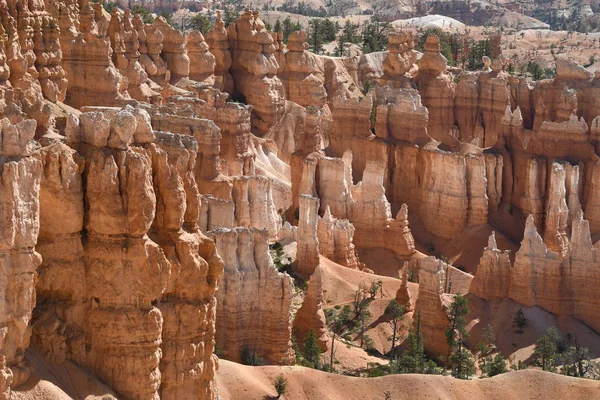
[
  {"x": 254, "y": 299},
  {"x": 541, "y": 277},
  {"x": 20, "y": 176},
  {"x": 254, "y": 69},
  {"x": 130, "y": 294},
  {"x": 429, "y": 304}
]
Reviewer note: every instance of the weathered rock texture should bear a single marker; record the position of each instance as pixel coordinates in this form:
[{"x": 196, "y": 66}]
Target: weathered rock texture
[
  {"x": 130, "y": 301},
  {"x": 20, "y": 176},
  {"x": 218, "y": 44},
  {"x": 311, "y": 316},
  {"x": 254, "y": 69},
  {"x": 540, "y": 277},
  {"x": 336, "y": 240},
  {"x": 429, "y": 304},
  {"x": 92, "y": 76},
  {"x": 364, "y": 204},
  {"x": 254, "y": 300},
  {"x": 118, "y": 198}
]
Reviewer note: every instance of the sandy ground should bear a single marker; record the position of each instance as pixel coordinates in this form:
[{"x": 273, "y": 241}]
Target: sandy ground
[
  {"x": 237, "y": 382},
  {"x": 520, "y": 346},
  {"x": 339, "y": 286},
  {"x": 59, "y": 382}
]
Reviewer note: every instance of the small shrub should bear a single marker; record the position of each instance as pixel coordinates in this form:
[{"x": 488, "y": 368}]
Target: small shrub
[
  {"x": 496, "y": 365},
  {"x": 280, "y": 386},
  {"x": 520, "y": 320}
]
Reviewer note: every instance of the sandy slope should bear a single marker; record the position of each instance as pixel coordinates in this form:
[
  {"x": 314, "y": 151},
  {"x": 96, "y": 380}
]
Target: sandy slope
[
  {"x": 237, "y": 382},
  {"x": 339, "y": 286},
  {"x": 59, "y": 382}
]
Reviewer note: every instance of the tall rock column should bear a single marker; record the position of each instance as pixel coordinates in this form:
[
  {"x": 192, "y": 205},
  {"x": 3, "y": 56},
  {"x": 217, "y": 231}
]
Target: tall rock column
[
  {"x": 399, "y": 60},
  {"x": 304, "y": 73},
  {"x": 144, "y": 300},
  {"x": 218, "y": 44},
  {"x": 536, "y": 277},
  {"x": 125, "y": 271},
  {"x": 188, "y": 304},
  {"x": 254, "y": 300},
  {"x": 49, "y": 59},
  {"x": 436, "y": 89},
  {"x": 492, "y": 279},
  {"x": 429, "y": 304},
  {"x": 20, "y": 176},
  {"x": 61, "y": 284},
  {"x": 254, "y": 70},
  {"x": 308, "y": 239},
  {"x": 202, "y": 62},
  {"x": 151, "y": 46},
  {"x": 174, "y": 51},
  {"x": 86, "y": 54}
]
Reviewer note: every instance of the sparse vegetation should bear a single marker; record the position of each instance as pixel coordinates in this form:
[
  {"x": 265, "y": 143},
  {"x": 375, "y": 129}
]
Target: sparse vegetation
[
  {"x": 201, "y": 23},
  {"x": 340, "y": 323},
  {"x": 459, "y": 357},
  {"x": 495, "y": 365},
  {"x": 109, "y": 6},
  {"x": 395, "y": 313},
  {"x": 250, "y": 356},
  {"x": 312, "y": 352},
  {"x": 280, "y": 386},
  {"x": 545, "y": 350},
  {"x": 520, "y": 321},
  {"x": 374, "y": 36},
  {"x": 144, "y": 13}
]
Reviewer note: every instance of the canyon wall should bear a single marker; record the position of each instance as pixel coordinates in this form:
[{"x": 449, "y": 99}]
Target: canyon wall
[{"x": 146, "y": 172}]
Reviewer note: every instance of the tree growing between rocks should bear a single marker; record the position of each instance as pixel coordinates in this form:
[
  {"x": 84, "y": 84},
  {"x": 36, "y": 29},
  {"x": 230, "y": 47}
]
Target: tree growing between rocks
[
  {"x": 412, "y": 360},
  {"x": 520, "y": 321},
  {"x": 374, "y": 36},
  {"x": 578, "y": 361},
  {"x": 360, "y": 306},
  {"x": 144, "y": 13},
  {"x": 340, "y": 323},
  {"x": 459, "y": 357},
  {"x": 200, "y": 23},
  {"x": 312, "y": 352},
  {"x": 395, "y": 313}
]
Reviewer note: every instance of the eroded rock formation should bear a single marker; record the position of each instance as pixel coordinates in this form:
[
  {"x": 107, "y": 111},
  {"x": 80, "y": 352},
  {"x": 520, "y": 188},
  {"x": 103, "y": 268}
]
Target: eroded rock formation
[
  {"x": 147, "y": 159},
  {"x": 254, "y": 300},
  {"x": 20, "y": 176}
]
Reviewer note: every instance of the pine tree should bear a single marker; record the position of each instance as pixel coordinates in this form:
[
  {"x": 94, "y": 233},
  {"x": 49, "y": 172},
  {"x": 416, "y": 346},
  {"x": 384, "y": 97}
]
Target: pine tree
[
  {"x": 280, "y": 385},
  {"x": 167, "y": 16},
  {"x": 577, "y": 361},
  {"x": 412, "y": 360},
  {"x": 229, "y": 16},
  {"x": 312, "y": 352},
  {"x": 144, "y": 13},
  {"x": 496, "y": 365},
  {"x": 360, "y": 306},
  {"x": 287, "y": 27},
  {"x": 459, "y": 357},
  {"x": 277, "y": 26},
  {"x": 520, "y": 320},
  {"x": 340, "y": 323},
  {"x": 315, "y": 35},
  {"x": 374, "y": 36},
  {"x": 395, "y": 313},
  {"x": 545, "y": 350},
  {"x": 200, "y": 23}
]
